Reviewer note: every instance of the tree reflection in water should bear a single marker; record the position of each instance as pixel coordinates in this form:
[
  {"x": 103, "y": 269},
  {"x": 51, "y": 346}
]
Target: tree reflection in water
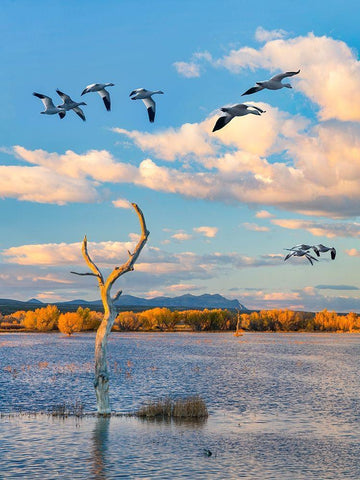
[{"x": 99, "y": 447}]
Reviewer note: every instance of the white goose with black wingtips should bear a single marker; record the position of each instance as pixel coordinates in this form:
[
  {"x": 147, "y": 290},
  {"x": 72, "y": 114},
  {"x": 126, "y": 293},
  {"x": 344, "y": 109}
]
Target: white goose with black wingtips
[
  {"x": 238, "y": 110},
  {"x": 275, "y": 83},
  {"x": 100, "y": 89},
  {"x": 146, "y": 97},
  {"x": 69, "y": 104},
  {"x": 50, "y": 108}
]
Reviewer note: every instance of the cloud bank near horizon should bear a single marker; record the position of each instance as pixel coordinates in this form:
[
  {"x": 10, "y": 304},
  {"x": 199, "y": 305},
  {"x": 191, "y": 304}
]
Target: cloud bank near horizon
[{"x": 46, "y": 268}]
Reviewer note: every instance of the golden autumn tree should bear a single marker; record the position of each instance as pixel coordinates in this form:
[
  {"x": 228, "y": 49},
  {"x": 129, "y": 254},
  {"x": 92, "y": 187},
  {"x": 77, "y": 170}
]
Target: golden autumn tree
[
  {"x": 29, "y": 320},
  {"x": 128, "y": 321},
  {"x": 19, "y": 315},
  {"x": 46, "y": 318},
  {"x": 70, "y": 323}
]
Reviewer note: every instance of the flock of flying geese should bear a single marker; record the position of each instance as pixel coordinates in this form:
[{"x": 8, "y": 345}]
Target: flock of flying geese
[
  {"x": 69, "y": 104},
  {"x": 241, "y": 109},
  {"x": 238, "y": 110}
]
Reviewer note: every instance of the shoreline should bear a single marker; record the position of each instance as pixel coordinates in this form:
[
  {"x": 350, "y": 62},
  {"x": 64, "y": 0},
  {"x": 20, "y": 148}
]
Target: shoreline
[{"x": 233, "y": 332}]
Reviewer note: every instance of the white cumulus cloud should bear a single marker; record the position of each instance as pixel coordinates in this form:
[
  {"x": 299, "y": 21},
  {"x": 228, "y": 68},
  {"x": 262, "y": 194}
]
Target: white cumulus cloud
[
  {"x": 263, "y": 35},
  {"x": 209, "y": 232},
  {"x": 321, "y": 229},
  {"x": 121, "y": 203},
  {"x": 263, "y": 214},
  {"x": 187, "y": 69},
  {"x": 181, "y": 236},
  {"x": 255, "y": 227}
]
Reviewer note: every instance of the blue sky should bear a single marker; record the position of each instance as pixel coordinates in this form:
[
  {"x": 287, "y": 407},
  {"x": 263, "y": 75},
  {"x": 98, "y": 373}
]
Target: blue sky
[{"x": 220, "y": 207}]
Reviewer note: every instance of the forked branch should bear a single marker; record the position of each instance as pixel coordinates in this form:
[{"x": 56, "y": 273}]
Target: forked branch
[
  {"x": 129, "y": 265},
  {"x": 94, "y": 269},
  {"x": 90, "y": 263},
  {"x": 126, "y": 267}
]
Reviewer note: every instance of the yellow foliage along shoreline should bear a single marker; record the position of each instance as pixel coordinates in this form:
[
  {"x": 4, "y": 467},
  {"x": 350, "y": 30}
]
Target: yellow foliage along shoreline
[{"x": 50, "y": 318}]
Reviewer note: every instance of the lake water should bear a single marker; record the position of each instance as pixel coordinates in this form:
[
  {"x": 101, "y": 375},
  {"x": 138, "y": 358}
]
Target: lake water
[{"x": 281, "y": 406}]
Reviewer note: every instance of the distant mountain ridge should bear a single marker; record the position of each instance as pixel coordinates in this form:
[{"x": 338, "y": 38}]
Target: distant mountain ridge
[
  {"x": 183, "y": 301},
  {"x": 35, "y": 301}
]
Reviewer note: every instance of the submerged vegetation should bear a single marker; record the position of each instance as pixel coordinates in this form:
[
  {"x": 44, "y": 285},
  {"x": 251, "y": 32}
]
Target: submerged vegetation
[
  {"x": 165, "y": 320},
  {"x": 68, "y": 409},
  {"x": 190, "y": 407}
]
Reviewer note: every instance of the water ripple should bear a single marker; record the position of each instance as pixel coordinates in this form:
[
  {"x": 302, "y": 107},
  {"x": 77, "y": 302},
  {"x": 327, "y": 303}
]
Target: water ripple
[{"x": 281, "y": 406}]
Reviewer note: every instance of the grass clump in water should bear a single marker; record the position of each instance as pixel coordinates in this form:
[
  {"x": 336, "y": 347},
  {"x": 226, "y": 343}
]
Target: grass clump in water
[
  {"x": 189, "y": 407},
  {"x": 68, "y": 409}
]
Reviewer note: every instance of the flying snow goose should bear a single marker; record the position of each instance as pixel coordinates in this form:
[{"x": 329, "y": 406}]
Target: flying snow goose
[
  {"x": 100, "y": 89},
  {"x": 50, "y": 108},
  {"x": 305, "y": 247},
  {"x": 145, "y": 96},
  {"x": 238, "y": 110},
  {"x": 322, "y": 249},
  {"x": 300, "y": 253},
  {"x": 273, "y": 84},
  {"x": 69, "y": 104},
  {"x": 300, "y": 246}
]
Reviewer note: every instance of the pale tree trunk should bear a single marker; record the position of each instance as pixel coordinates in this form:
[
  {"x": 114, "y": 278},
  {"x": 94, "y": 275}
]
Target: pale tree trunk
[
  {"x": 101, "y": 381},
  {"x": 238, "y": 322},
  {"x": 239, "y": 330}
]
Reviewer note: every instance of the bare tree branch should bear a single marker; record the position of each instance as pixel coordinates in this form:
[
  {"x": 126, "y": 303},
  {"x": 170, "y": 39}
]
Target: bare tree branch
[
  {"x": 129, "y": 265},
  {"x": 90, "y": 263},
  {"x": 88, "y": 273},
  {"x": 117, "y": 295}
]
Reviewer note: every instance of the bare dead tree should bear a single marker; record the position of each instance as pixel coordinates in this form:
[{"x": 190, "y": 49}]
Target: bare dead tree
[
  {"x": 101, "y": 381},
  {"x": 239, "y": 331}
]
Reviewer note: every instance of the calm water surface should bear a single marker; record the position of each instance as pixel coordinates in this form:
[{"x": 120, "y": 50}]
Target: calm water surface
[{"x": 282, "y": 406}]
